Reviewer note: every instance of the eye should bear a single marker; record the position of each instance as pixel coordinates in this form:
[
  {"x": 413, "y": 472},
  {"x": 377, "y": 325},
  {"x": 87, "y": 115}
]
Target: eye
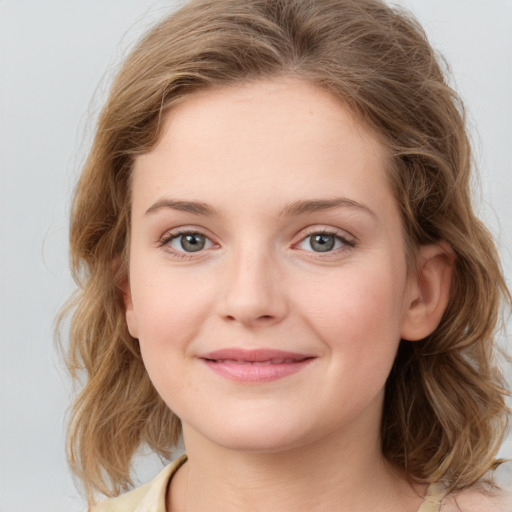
[
  {"x": 188, "y": 242},
  {"x": 323, "y": 242}
]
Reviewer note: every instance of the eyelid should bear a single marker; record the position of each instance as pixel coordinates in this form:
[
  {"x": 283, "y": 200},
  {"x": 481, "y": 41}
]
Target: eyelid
[
  {"x": 178, "y": 236},
  {"x": 348, "y": 241},
  {"x": 173, "y": 234},
  {"x": 327, "y": 230}
]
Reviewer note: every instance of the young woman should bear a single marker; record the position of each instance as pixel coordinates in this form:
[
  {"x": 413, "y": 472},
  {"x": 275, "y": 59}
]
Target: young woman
[{"x": 278, "y": 260}]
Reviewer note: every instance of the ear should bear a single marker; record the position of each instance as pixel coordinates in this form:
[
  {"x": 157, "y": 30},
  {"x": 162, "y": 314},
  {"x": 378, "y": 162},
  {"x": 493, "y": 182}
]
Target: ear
[
  {"x": 429, "y": 291},
  {"x": 131, "y": 319}
]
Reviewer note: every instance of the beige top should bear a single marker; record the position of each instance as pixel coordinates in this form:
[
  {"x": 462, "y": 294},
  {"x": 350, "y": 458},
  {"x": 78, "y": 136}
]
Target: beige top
[{"x": 151, "y": 497}]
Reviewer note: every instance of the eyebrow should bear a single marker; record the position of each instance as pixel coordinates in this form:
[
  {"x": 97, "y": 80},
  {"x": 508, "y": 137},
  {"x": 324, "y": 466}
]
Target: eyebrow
[
  {"x": 320, "y": 205},
  {"x": 295, "y": 208},
  {"x": 195, "y": 207}
]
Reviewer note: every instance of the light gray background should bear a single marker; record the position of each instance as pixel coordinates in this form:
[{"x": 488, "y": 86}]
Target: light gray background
[{"x": 53, "y": 54}]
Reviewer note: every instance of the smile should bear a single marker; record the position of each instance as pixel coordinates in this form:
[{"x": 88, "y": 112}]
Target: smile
[
  {"x": 241, "y": 361},
  {"x": 255, "y": 366}
]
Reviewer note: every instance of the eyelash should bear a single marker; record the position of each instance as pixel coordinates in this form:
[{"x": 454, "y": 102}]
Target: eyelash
[
  {"x": 347, "y": 243},
  {"x": 174, "y": 235}
]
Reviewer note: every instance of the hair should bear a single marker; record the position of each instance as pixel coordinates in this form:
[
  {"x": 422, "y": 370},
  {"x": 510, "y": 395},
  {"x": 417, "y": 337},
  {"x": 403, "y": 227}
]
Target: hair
[{"x": 445, "y": 414}]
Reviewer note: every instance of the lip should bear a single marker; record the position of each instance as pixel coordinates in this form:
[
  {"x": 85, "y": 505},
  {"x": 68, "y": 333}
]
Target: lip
[{"x": 257, "y": 365}]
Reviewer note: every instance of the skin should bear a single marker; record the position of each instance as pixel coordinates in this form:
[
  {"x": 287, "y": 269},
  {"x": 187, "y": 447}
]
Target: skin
[{"x": 251, "y": 153}]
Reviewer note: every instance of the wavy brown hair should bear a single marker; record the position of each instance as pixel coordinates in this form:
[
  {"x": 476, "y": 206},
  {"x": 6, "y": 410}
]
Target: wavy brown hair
[{"x": 444, "y": 414}]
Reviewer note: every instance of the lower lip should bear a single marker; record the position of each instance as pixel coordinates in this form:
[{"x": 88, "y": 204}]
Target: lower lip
[{"x": 256, "y": 372}]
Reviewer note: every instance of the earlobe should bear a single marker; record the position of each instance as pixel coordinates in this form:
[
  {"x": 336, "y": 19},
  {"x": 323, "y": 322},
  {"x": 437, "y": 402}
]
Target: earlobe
[
  {"x": 429, "y": 291},
  {"x": 131, "y": 320}
]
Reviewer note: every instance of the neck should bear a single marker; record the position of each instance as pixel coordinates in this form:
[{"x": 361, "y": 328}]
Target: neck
[{"x": 339, "y": 473}]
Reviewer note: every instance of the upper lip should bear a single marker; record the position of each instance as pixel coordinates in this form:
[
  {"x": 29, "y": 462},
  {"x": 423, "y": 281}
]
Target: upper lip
[{"x": 255, "y": 355}]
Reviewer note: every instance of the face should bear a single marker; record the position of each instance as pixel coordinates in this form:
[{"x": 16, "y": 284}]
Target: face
[{"x": 268, "y": 284}]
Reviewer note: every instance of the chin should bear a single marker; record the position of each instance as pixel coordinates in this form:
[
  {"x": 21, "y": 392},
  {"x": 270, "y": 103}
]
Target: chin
[{"x": 255, "y": 435}]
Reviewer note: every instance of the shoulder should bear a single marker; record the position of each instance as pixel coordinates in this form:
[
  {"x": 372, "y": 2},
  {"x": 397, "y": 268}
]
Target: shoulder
[
  {"x": 492, "y": 494},
  {"x": 127, "y": 502},
  {"x": 147, "y": 498}
]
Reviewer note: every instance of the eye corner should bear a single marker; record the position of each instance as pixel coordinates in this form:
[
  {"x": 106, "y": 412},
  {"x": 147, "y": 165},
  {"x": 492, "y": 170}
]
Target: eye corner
[
  {"x": 186, "y": 243},
  {"x": 328, "y": 242}
]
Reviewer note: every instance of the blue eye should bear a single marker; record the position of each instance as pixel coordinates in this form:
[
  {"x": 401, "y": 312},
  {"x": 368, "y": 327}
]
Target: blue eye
[
  {"x": 323, "y": 242},
  {"x": 189, "y": 242}
]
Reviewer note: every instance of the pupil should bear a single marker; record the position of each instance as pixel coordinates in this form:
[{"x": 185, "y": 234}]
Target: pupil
[
  {"x": 322, "y": 243},
  {"x": 192, "y": 243}
]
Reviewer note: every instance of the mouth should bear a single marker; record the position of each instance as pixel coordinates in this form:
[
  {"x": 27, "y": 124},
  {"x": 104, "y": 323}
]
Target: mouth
[{"x": 255, "y": 366}]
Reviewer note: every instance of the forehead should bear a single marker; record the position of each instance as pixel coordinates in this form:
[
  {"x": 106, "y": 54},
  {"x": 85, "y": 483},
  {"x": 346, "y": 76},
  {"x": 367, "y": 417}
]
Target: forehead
[{"x": 277, "y": 138}]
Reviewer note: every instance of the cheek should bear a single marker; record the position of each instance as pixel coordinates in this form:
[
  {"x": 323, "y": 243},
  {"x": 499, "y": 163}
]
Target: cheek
[
  {"x": 357, "y": 313},
  {"x": 355, "y": 301},
  {"x": 170, "y": 312},
  {"x": 169, "y": 309}
]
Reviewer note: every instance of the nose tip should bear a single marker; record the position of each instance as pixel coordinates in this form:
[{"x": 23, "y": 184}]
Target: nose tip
[{"x": 254, "y": 294}]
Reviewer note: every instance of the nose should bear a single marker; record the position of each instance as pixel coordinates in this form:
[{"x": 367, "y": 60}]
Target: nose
[{"x": 254, "y": 290}]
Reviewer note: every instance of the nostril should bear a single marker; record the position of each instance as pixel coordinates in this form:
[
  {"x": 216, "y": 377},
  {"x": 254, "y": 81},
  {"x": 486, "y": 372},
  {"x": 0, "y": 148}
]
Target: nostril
[
  {"x": 257, "y": 319},
  {"x": 263, "y": 319}
]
